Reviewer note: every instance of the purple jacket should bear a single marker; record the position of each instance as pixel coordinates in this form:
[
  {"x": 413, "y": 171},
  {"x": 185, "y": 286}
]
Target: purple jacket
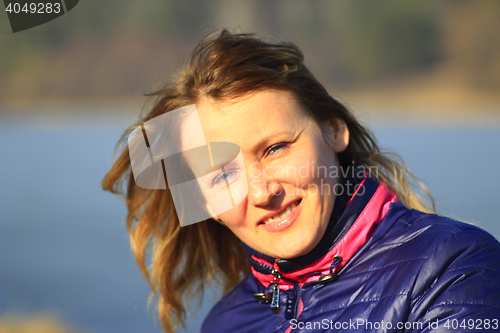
[{"x": 380, "y": 267}]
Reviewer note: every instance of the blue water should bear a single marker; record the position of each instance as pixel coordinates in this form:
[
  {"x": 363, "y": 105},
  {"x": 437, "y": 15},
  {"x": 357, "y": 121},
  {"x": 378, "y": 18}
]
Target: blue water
[{"x": 64, "y": 246}]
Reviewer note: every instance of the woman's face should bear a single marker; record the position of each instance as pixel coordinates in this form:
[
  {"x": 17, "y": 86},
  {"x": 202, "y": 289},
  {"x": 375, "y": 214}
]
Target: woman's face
[{"x": 288, "y": 166}]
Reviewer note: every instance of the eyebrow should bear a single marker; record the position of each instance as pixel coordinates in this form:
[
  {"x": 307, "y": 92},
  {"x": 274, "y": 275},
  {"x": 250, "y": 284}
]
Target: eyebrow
[{"x": 200, "y": 161}]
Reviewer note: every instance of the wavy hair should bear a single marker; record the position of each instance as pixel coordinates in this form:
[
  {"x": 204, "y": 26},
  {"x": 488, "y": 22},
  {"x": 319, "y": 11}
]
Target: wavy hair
[{"x": 228, "y": 66}]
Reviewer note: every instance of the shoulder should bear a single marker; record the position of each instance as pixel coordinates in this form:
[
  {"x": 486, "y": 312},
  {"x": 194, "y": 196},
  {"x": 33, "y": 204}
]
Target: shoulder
[
  {"x": 430, "y": 232},
  {"x": 444, "y": 242},
  {"x": 459, "y": 271},
  {"x": 453, "y": 267},
  {"x": 407, "y": 234},
  {"x": 456, "y": 246},
  {"x": 431, "y": 245}
]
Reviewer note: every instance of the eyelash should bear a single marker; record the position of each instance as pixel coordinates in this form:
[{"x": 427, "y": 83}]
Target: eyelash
[
  {"x": 281, "y": 146},
  {"x": 217, "y": 179}
]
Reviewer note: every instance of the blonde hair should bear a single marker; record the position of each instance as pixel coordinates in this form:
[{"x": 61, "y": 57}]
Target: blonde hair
[{"x": 228, "y": 66}]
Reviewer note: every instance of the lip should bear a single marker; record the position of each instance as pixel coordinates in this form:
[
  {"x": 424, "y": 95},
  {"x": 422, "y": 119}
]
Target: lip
[{"x": 283, "y": 223}]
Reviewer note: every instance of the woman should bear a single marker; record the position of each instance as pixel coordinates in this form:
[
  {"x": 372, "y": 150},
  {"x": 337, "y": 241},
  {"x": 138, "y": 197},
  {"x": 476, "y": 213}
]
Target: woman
[{"x": 329, "y": 234}]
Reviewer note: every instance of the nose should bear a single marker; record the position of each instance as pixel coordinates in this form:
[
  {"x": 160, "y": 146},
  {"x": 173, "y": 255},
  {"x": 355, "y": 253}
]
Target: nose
[{"x": 262, "y": 189}]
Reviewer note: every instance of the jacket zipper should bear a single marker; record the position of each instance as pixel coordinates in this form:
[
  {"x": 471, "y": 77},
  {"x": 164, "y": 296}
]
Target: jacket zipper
[{"x": 275, "y": 299}]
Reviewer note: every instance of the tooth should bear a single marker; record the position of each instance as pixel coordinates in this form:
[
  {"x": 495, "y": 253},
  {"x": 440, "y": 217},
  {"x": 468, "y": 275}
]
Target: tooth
[
  {"x": 289, "y": 210},
  {"x": 293, "y": 206}
]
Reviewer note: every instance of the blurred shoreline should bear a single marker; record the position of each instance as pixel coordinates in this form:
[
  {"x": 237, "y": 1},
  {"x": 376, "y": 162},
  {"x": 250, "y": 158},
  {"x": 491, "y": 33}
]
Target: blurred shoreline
[
  {"x": 387, "y": 105},
  {"x": 428, "y": 63}
]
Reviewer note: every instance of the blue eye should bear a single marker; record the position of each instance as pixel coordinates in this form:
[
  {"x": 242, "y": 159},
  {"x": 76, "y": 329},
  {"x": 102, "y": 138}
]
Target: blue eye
[
  {"x": 223, "y": 178},
  {"x": 277, "y": 148}
]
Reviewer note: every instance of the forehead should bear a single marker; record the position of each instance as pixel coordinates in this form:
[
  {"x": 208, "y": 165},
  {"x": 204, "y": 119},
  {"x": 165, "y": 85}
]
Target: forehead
[{"x": 255, "y": 115}]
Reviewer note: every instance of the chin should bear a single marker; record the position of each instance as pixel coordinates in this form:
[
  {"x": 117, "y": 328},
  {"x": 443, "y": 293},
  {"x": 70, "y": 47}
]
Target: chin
[{"x": 294, "y": 251}]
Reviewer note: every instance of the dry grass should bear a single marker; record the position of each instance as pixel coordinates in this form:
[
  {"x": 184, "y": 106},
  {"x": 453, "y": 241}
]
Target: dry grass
[{"x": 40, "y": 323}]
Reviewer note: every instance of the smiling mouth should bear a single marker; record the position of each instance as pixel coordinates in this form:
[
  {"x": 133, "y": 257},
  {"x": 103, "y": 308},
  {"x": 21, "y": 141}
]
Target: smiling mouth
[{"x": 283, "y": 215}]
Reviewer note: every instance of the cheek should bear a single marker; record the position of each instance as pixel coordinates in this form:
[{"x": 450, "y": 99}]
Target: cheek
[
  {"x": 310, "y": 169},
  {"x": 235, "y": 217}
]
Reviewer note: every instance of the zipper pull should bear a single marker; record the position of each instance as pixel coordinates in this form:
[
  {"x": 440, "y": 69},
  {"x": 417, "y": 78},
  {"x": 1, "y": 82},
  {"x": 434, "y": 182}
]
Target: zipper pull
[
  {"x": 275, "y": 300},
  {"x": 263, "y": 298}
]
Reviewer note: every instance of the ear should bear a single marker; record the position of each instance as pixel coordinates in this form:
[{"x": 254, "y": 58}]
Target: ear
[{"x": 339, "y": 134}]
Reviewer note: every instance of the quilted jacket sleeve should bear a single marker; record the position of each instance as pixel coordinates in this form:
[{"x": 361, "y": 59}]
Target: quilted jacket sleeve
[{"x": 458, "y": 287}]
